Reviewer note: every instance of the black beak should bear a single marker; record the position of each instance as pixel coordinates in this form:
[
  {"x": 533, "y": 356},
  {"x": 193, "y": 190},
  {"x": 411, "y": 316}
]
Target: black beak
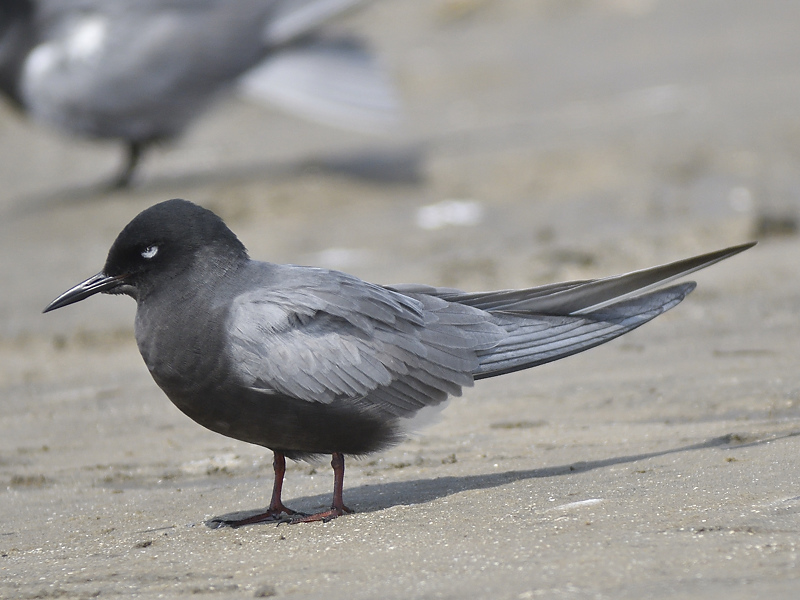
[{"x": 97, "y": 283}]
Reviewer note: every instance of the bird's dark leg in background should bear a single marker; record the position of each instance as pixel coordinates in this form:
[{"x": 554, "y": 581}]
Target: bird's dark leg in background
[
  {"x": 134, "y": 154},
  {"x": 337, "y": 507}
]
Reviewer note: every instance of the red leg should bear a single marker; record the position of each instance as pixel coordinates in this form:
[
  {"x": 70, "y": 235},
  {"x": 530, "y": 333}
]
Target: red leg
[
  {"x": 276, "y": 507},
  {"x": 337, "y": 462},
  {"x": 337, "y": 507}
]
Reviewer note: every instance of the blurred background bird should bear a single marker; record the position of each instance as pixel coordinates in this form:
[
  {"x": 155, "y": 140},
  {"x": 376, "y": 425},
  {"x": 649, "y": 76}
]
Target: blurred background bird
[{"x": 141, "y": 71}]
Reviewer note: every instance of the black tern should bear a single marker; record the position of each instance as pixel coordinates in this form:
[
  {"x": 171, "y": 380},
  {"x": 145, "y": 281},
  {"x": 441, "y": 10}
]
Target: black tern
[
  {"x": 142, "y": 70},
  {"x": 307, "y": 361}
]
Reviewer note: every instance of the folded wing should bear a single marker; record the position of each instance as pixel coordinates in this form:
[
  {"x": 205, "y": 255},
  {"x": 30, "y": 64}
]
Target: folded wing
[{"x": 323, "y": 336}]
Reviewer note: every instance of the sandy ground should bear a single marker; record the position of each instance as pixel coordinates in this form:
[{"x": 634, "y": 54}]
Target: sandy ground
[{"x": 587, "y": 138}]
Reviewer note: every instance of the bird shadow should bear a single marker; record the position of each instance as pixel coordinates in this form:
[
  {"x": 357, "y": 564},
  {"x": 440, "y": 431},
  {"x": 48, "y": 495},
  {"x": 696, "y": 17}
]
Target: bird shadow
[
  {"x": 386, "y": 166},
  {"x": 370, "y": 498}
]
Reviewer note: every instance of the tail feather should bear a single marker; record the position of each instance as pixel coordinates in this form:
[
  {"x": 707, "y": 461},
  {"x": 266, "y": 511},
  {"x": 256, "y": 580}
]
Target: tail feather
[
  {"x": 553, "y": 321},
  {"x": 535, "y": 339},
  {"x": 583, "y": 297}
]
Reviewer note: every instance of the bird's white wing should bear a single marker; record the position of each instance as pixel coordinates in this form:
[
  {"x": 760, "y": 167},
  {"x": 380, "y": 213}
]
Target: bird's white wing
[
  {"x": 295, "y": 18},
  {"x": 337, "y": 82}
]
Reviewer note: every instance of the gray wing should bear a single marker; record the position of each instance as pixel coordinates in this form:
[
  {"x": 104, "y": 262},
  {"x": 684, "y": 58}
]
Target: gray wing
[
  {"x": 323, "y": 336},
  {"x": 533, "y": 340},
  {"x": 554, "y": 321},
  {"x": 327, "y": 337},
  {"x": 337, "y": 82}
]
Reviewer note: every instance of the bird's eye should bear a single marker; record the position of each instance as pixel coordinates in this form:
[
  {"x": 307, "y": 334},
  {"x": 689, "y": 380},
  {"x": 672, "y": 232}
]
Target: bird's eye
[{"x": 149, "y": 252}]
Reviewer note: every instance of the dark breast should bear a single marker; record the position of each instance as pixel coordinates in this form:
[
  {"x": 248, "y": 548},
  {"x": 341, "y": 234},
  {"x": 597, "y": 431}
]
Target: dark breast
[
  {"x": 185, "y": 355},
  {"x": 299, "y": 428}
]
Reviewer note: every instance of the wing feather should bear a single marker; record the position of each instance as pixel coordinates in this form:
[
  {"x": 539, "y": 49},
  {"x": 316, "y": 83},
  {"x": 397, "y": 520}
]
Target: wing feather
[{"x": 323, "y": 336}]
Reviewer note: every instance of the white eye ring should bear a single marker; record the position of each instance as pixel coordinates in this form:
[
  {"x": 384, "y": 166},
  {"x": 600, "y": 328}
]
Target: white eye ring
[{"x": 150, "y": 252}]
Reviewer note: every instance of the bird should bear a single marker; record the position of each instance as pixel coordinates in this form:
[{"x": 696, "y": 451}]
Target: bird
[
  {"x": 307, "y": 361},
  {"x": 141, "y": 71}
]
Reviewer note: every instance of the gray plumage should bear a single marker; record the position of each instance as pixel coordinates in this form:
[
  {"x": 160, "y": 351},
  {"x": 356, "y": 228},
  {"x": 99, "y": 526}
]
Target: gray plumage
[
  {"x": 309, "y": 361},
  {"x": 142, "y": 70}
]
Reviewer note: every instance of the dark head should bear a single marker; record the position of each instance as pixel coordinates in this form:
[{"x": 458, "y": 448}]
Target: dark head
[{"x": 157, "y": 246}]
